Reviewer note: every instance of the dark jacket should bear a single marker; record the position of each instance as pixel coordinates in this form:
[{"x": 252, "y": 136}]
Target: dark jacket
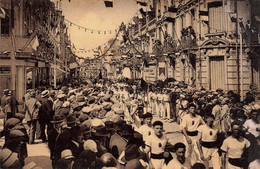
[
  {"x": 46, "y": 113},
  {"x": 75, "y": 149},
  {"x": 62, "y": 140},
  {"x": 52, "y": 137}
]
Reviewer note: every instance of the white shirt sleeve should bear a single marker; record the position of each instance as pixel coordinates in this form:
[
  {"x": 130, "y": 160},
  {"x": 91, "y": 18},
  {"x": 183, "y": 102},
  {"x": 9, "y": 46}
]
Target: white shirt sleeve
[
  {"x": 246, "y": 125},
  {"x": 148, "y": 142},
  {"x": 224, "y": 146},
  {"x": 184, "y": 122},
  {"x": 200, "y": 128}
]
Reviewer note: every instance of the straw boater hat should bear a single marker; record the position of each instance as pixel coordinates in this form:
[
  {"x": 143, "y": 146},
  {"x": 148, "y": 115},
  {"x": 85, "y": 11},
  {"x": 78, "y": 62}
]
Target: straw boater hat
[
  {"x": 7, "y": 157},
  {"x": 60, "y": 96},
  {"x": 66, "y": 104},
  {"x": 86, "y": 110},
  {"x": 67, "y": 154},
  {"x": 45, "y": 93},
  {"x": 7, "y": 90}
]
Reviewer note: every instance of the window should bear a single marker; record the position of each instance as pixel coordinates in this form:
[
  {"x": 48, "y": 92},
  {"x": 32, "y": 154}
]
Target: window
[
  {"x": 192, "y": 11},
  {"x": 182, "y": 22},
  {"x": 218, "y": 18},
  {"x": 5, "y": 24}
]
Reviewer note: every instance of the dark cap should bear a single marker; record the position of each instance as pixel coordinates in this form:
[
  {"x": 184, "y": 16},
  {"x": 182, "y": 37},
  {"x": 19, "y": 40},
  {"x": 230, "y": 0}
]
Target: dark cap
[
  {"x": 19, "y": 116},
  {"x": 83, "y": 117},
  {"x": 147, "y": 115},
  {"x": 126, "y": 130},
  {"x": 81, "y": 99},
  {"x": 10, "y": 123},
  {"x": 157, "y": 123},
  {"x": 57, "y": 119},
  {"x": 191, "y": 105},
  {"x": 71, "y": 119},
  {"x": 16, "y": 134}
]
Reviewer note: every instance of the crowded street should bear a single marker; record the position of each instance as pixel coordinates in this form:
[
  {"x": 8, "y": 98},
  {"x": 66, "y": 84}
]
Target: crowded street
[
  {"x": 129, "y": 84},
  {"x": 42, "y": 158}
]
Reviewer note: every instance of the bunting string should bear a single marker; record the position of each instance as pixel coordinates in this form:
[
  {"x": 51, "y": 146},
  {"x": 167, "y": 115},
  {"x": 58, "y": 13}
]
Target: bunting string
[{"x": 104, "y": 32}]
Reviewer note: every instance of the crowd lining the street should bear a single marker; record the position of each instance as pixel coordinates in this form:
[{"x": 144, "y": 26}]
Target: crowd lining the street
[{"x": 110, "y": 124}]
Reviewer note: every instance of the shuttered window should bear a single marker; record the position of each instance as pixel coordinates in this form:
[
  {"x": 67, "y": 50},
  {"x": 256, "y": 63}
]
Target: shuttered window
[{"x": 218, "y": 18}]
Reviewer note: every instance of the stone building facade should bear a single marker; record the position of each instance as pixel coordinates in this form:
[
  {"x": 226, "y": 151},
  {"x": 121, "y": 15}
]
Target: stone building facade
[
  {"x": 209, "y": 43},
  {"x": 33, "y": 36}
]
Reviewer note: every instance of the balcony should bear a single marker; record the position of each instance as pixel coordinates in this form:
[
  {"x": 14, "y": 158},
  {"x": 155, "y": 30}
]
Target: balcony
[
  {"x": 170, "y": 45},
  {"x": 188, "y": 38},
  {"x": 158, "y": 48}
]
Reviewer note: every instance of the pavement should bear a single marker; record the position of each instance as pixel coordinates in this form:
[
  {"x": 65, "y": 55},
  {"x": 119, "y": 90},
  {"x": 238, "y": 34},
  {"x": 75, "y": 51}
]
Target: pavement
[{"x": 39, "y": 155}]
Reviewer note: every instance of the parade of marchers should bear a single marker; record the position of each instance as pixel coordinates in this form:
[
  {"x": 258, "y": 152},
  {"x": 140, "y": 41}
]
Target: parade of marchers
[{"x": 102, "y": 123}]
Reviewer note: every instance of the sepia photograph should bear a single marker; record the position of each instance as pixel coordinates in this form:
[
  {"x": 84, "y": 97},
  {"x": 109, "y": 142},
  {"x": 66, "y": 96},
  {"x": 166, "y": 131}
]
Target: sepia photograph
[{"x": 129, "y": 84}]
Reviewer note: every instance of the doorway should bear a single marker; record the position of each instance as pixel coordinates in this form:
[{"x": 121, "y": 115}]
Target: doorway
[{"x": 217, "y": 74}]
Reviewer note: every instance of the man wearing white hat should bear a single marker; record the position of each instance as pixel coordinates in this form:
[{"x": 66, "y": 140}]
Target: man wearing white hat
[
  {"x": 45, "y": 114},
  {"x": 58, "y": 103}
]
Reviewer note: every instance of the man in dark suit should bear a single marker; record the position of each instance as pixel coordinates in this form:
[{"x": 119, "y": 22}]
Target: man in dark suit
[
  {"x": 76, "y": 142},
  {"x": 64, "y": 137},
  {"x": 53, "y": 134},
  {"x": 45, "y": 114}
]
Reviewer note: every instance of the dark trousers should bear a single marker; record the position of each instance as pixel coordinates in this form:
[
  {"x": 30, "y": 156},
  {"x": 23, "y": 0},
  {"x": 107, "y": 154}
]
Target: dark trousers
[
  {"x": 32, "y": 130},
  {"x": 173, "y": 111},
  {"x": 43, "y": 125}
]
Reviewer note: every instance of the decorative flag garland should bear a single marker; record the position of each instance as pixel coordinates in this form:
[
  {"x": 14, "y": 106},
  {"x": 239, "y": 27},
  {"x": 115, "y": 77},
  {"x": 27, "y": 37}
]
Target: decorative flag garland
[{"x": 104, "y": 32}]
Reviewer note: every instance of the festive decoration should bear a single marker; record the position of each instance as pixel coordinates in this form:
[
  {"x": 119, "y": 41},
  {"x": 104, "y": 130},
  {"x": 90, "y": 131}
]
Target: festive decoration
[{"x": 108, "y": 3}]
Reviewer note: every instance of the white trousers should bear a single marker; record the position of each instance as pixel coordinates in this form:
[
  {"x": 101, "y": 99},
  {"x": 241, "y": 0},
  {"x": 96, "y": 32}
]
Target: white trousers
[{"x": 157, "y": 163}]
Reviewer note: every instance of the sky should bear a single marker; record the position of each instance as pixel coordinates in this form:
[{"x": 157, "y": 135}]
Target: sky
[{"x": 93, "y": 15}]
